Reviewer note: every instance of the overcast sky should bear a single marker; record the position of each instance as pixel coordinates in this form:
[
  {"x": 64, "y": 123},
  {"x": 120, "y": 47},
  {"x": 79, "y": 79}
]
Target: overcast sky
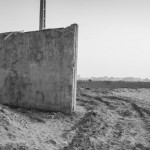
[{"x": 114, "y": 35}]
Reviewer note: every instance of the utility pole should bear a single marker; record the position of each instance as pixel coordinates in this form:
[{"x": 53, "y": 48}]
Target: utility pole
[{"x": 42, "y": 20}]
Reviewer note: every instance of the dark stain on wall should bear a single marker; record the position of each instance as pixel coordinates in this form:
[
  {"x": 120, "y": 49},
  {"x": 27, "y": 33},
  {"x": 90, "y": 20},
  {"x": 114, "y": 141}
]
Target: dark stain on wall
[
  {"x": 15, "y": 86},
  {"x": 40, "y": 96}
]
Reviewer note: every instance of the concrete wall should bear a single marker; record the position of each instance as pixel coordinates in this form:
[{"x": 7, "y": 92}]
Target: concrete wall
[{"x": 38, "y": 69}]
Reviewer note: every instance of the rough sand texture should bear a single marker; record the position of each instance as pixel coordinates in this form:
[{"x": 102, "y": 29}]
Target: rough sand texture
[{"x": 104, "y": 120}]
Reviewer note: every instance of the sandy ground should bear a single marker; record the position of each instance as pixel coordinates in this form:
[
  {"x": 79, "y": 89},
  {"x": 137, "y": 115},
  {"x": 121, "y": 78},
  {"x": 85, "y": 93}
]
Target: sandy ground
[{"x": 104, "y": 120}]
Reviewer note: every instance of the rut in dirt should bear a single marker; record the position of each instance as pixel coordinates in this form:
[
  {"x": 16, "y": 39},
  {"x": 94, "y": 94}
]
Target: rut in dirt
[
  {"x": 90, "y": 126},
  {"x": 94, "y": 126}
]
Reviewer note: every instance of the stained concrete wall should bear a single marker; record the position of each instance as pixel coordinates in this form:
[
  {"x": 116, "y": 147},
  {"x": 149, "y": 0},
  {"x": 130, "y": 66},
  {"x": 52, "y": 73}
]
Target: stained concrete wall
[{"x": 38, "y": 69}]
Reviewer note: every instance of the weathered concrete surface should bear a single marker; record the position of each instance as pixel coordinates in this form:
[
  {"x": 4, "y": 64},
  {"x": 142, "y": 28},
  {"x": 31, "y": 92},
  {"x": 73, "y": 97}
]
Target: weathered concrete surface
[{"x": 38, "y": 69}]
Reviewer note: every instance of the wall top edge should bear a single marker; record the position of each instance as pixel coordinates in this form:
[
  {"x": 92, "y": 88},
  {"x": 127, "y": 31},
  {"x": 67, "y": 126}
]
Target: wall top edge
[{"x": 71, "y": 27}]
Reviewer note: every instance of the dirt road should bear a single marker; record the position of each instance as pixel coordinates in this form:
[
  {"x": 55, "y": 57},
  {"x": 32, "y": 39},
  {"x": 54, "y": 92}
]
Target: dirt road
[{"x": 104, "y": 120}]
